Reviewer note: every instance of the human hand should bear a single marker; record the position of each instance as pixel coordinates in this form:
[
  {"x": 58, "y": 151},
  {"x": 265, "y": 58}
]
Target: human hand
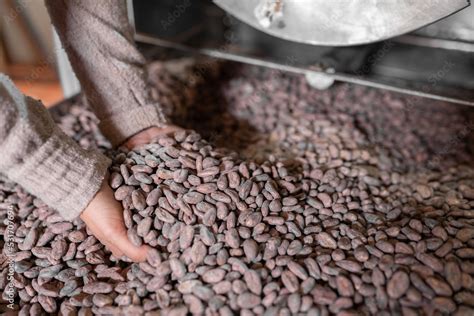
[
  {"x": 104, "y": 218},
  {"x": 149, "y": 134}
]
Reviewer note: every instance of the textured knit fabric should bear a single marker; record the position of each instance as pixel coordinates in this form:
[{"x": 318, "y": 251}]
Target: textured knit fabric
[
  {"x": 99, "y": 42},
  {"x": 36, "y": 154}
]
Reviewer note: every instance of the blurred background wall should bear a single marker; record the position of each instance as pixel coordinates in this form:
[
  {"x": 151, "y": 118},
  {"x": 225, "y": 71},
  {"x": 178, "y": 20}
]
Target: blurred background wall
[{"x": 27, "y": 50}]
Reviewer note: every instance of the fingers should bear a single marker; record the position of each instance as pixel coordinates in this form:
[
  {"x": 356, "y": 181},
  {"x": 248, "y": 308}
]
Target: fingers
[
  {"x": 137, "y": 254},
  {"x": 150, "y": 135},
  {"x": 99, "y": 234},
  {"x": 118, "y": 243},
  {"x": 114, "y": 237},
  {"x": 113, "y": 249}
]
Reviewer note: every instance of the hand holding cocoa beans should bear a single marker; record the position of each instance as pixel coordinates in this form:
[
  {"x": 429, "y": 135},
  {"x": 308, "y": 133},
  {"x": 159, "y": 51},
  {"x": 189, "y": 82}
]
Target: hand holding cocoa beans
[
  {"x": 104, "y": 218},
  {"x": 104, "y": 215},
  {"x": 148, "y": 135}
]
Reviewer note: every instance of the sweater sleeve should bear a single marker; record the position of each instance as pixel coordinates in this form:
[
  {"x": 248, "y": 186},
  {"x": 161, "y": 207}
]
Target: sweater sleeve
[
  {"x": 36, "y": 154},
  {"x": 99, "y": 42}
]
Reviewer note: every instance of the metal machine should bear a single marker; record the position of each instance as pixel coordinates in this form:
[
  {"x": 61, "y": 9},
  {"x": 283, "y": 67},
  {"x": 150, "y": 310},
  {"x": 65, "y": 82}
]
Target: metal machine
[
  {"x": 381, "y": 43},
  {"x": 341, "y": 22},
  {"x": 423, "y": 48}
]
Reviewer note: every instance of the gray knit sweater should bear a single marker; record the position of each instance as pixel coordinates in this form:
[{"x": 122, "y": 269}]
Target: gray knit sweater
[{"x": 34, "y": 152}]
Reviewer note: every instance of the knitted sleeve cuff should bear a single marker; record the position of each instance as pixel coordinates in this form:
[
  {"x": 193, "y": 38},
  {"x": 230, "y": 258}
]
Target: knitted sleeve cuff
[
  {"x": 120, "y": 126},
  {"x": 64, "y": 175}
]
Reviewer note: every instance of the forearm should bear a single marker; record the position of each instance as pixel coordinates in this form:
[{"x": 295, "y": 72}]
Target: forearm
[
  {"x": 99, "y": 42},
  {"x": 36, "y": 154}
]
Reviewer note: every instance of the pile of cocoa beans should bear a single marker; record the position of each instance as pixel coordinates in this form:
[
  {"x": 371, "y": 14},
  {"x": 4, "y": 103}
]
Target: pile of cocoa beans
[{"x": 286, "y": 201}]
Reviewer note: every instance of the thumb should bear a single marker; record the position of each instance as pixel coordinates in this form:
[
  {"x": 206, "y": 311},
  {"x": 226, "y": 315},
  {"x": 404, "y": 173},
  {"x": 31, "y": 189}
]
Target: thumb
[{"x": 137, "y": 254}]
